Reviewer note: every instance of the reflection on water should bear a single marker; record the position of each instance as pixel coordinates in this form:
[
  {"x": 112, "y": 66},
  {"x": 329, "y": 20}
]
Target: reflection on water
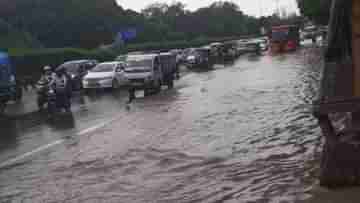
[
  {"x": 9, "y": 131},
  {"x": 63, "y": 121},
  {"x": 240, "y": 133}
]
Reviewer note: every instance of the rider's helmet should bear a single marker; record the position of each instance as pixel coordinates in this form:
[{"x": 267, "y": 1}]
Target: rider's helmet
[
  {"x": 47, "y": 70},
  {"x": 60, "y": 70}
]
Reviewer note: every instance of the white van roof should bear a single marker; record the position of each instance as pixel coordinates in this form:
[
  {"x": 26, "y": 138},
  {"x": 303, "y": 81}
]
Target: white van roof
[{"x": 142, "y": 57}]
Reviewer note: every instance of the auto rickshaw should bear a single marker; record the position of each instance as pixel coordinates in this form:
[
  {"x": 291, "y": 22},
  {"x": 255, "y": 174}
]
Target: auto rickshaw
[{"x": 10, "y": 89}]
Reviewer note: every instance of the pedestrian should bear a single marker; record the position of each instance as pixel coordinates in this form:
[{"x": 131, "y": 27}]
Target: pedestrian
[{"x": 61, "y": 84}]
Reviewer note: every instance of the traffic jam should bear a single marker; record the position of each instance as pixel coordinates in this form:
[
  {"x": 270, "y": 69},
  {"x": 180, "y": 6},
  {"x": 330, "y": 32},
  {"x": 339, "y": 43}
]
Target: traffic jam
[
  {"x": 204, "y": 124},
  {"x": 139, "y": 73}
]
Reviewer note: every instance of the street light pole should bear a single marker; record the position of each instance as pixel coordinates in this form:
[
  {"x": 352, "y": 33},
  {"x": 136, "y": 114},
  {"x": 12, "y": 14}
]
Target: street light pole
[
  {"x": 261, "y": 8},
  {"x": 277, "y": 7}
]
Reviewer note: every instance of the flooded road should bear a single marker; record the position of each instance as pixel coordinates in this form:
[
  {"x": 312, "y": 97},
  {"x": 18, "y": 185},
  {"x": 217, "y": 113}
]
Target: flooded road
[{"x": 242, "y": 132}]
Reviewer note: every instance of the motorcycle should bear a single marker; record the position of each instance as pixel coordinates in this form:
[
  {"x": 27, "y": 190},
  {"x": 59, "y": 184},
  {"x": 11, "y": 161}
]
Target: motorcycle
[
  {"x": 46, "y": 95},
  {"x": 62, "y": 100},
  {"x": 55, "y": 98}
]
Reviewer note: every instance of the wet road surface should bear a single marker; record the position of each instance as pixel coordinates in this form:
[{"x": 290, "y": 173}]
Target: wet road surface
[{"x": 242, "y": 132}]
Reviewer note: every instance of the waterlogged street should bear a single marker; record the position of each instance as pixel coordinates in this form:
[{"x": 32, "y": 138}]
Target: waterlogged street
[{"x": 242, "y": 132}]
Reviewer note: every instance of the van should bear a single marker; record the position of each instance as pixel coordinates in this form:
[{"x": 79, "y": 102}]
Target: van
[
  {"x": 10, "y": 89},
  {"x": 150, "y": 71}
]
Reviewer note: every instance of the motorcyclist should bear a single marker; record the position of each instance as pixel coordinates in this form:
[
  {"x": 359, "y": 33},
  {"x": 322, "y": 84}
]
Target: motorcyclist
[
  {"x": 61, "y": 85},
  {"x": 43, "y": 85},
  {"x": 48, "y": 74}
]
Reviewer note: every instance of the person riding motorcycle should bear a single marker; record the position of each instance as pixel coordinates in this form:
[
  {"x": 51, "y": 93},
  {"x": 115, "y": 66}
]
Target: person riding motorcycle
[
  {"x": 43, "y": 86},
  {"x": 48, "y": 74},
  {"x": 61, "y": 86}
]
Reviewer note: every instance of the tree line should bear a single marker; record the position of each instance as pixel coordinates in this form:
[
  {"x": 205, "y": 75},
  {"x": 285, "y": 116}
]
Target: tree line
[
  {"x": 316, "y": 10},
  {"x": 92, "y": 23}
]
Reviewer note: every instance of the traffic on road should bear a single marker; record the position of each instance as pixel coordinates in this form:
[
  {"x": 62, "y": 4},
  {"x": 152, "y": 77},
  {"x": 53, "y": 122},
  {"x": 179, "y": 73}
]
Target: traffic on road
[{"x": 222, "y": 131}]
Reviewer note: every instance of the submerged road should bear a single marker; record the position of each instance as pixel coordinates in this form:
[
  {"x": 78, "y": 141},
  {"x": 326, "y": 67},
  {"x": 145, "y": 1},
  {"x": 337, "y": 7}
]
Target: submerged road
[{"x": 242, "y": 132}]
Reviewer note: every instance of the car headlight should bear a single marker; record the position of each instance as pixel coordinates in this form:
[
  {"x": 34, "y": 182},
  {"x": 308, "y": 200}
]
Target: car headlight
[
  {"x": 73, "y": 76},
  {"x": 191, "y": 58}
]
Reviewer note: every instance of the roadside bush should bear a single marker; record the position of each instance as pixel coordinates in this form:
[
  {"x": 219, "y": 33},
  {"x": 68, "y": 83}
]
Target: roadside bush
[{"x": 29, "y": 63}]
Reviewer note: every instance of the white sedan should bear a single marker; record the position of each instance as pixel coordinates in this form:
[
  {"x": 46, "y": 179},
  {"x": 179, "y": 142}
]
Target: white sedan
[{"x": 105, "y": 75}]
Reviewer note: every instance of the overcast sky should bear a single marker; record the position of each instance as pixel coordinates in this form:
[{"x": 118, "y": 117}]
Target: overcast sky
[{"x": 250, "y": 7}]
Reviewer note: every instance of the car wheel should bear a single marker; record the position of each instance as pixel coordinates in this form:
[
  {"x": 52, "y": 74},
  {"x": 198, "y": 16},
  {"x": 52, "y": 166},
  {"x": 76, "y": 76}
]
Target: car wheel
[
  {"x": 40, "y": 104},
  {"x": 2, "y": 108},
  {"x": 171, "y": 83},
  {"x": 157, "y": 86},
  {"x": 19, "y": 94},
  {"x": 115, "y": 84}
]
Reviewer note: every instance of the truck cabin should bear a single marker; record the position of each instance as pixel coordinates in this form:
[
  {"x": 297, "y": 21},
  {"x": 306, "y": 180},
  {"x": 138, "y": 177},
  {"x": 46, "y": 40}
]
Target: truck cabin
[
  {"x": 7, "y": 73},
  {"x": 284, "y": 38},
  {"x": 142, "y": 63},
  {"x": 167, "y": 59},
  {"x": 204, "y": 51}
]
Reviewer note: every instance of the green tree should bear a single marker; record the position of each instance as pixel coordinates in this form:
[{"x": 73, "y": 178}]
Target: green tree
[
  {"x": 92, "y": 23},
  {"x": 316, "y": 10}
]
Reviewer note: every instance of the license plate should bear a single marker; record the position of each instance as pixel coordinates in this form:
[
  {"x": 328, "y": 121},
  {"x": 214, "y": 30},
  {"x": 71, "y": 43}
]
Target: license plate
[
  {"x": 94, "y": 84},
  {"x": 139, "y": 93}
]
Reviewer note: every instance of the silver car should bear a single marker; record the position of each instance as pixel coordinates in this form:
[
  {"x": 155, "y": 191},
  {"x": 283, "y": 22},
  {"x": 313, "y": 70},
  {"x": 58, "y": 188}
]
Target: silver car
[{"x": 105, "y": 75}]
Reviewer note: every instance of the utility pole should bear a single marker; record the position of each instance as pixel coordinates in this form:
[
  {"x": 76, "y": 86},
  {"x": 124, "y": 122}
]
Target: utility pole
[
  {"x": 261, "y": 8},
  {"x": 278, "y": 7}
]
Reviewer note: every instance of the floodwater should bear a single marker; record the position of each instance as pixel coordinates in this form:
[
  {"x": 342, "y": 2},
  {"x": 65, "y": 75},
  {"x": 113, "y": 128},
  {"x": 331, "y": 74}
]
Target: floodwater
[{"x": 242, "y": 132}]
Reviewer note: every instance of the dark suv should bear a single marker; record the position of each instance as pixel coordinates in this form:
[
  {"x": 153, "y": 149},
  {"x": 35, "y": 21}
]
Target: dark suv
[{"x": 76, "y": 70}]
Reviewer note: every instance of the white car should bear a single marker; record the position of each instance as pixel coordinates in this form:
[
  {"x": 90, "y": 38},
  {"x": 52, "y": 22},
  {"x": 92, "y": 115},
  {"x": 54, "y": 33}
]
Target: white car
[{"x": 105, "y": 75}]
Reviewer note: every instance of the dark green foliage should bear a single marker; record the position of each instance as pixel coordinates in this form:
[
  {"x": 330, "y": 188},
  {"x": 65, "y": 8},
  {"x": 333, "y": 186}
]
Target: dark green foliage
[
  {"x": 316, "y": 10},
  {"x": 92, "y": 23},
  {"x": 12, "y": 38},
  {"x": 49, "y": 25},
  {"x": 217, "y": 20},
  {"x": 66, "y": 23},
  {"x": 30, "y": 62}
]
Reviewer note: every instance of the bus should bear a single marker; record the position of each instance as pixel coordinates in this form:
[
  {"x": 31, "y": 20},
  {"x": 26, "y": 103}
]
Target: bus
[{"x": 284, "y": 38}]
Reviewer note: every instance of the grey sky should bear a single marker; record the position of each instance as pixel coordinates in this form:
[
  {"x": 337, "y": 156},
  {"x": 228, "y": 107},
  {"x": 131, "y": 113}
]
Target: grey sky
[{"x": 250, "y": 7}]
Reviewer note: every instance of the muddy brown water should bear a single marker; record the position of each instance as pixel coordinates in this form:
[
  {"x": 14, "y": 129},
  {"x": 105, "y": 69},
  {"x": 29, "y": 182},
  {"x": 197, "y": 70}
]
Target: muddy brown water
[{"x": 242, "y": 132}]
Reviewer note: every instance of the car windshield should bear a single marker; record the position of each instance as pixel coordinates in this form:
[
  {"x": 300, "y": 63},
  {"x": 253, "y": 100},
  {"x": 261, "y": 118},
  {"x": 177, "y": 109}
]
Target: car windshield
[
  {"x": 139, "y": 63},
  {"x": 121, "y": 58},
  {"x": 71, "y": 67},
  {"x": 103, "y": 68}
]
